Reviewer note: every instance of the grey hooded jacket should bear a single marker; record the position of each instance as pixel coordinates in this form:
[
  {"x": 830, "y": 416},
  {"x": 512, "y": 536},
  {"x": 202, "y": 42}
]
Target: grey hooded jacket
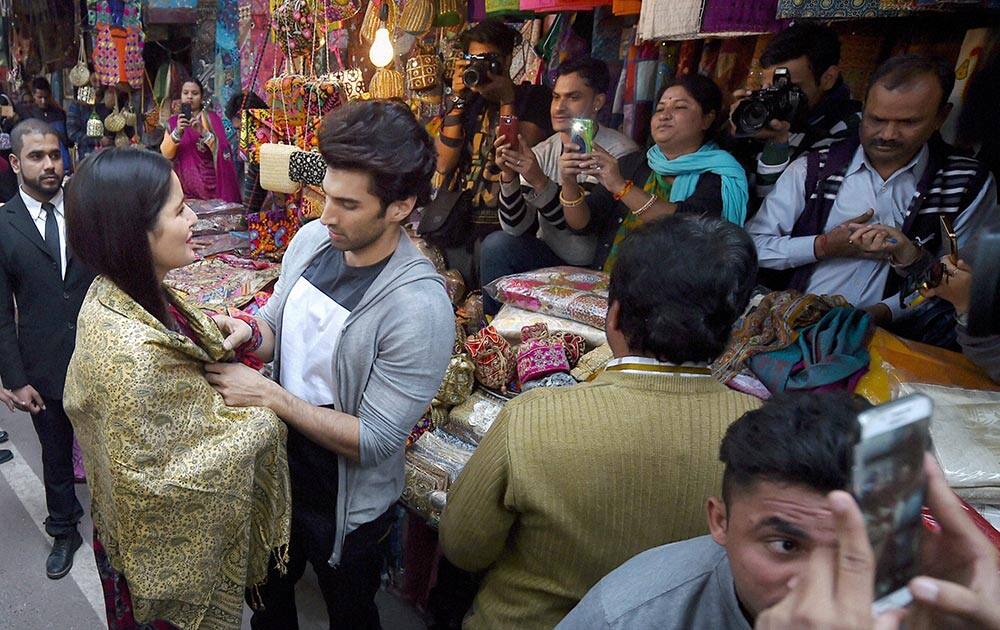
[{"x": 390, "y": 360}]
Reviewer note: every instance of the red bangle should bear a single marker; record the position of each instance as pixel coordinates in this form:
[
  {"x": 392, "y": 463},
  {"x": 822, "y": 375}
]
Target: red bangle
[{"x": 624, "y": 191}]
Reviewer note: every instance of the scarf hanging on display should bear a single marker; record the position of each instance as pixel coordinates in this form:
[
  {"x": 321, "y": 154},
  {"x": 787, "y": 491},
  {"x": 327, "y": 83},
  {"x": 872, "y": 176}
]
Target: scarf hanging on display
[
  {"x": 739, "y": 17},
  {"x": 118, "y": 42},
  {"x": 670, "y": 19},
  {"x": 855, "y": 9}
]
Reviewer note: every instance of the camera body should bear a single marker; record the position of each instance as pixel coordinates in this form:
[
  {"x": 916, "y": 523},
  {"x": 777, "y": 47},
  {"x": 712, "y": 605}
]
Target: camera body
[
  {"x": 782, "y": 101},
  {"x": 480, "y": 67}
]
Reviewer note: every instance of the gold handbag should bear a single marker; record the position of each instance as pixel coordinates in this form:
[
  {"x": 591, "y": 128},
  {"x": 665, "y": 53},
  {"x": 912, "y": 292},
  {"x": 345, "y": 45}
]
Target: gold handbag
[
  {"x": 386, "y": 84},
  {"x": 115, "y": 121},
  {"x": 274, "y": 161},
  {"x": 459, "y": 379},
  {"x": 79, "y": 76},
  {"x": 122, "y": 140},
  {"x": 130, "y": 117},
  {"x": 95, "y": 128},
  {"x": 86, "y": 95},
  {"x": 351, "y": 83},
  {"x": 372, "y": 22},
  {"x": 417, "y": 17},
  {"x": 423, "y": 72}
]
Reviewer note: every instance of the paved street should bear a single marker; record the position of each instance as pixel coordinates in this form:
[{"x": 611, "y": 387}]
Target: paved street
[{"x": 30, "y": 601}]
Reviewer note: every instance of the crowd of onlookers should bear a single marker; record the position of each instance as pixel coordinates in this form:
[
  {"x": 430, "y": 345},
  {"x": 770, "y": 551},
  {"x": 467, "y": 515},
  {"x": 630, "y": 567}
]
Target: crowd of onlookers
[{"x": 583, "y": 506}]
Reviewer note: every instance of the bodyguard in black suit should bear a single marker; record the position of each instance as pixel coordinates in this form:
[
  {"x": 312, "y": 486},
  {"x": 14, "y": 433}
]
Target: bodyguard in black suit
[{"x": 39, "y": 273}]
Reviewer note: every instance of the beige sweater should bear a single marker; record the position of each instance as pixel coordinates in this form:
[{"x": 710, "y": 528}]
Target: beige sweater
[{"x": 570, "y": 483}]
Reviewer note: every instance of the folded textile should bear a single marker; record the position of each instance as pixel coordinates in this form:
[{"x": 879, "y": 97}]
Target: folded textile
[
  {"x": 511, "y": 319},
  {"x": 966, "y": 437},
  {"x": 771, "y": 325},
  {"x": 568, "y": 292},
  {"x": 221, "y": 282},
  {"x": 831, "y": 352}
]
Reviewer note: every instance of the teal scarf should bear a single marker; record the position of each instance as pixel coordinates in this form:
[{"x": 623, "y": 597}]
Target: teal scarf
[{"x": 687, "y": 168}]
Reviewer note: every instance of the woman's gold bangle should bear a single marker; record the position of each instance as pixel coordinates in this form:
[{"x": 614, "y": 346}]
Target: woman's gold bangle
[
  {"x": 568, "y": 203},
  {"x": 646, "y": 206}
]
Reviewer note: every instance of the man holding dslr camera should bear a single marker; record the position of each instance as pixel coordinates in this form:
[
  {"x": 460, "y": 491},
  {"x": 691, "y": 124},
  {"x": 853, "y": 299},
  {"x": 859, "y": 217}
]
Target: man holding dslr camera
[
  {"x": 807, "y": 108},
  {"x": 481, "y": 93}
]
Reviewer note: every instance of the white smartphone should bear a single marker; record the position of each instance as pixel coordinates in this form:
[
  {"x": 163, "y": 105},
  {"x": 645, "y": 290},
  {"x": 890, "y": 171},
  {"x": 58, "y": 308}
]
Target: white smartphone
[{"x": 889, "y": 484}]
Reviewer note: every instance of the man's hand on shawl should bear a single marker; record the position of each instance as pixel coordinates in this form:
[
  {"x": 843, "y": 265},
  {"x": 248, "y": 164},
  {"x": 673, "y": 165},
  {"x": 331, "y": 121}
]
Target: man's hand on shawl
[
  {"x": 241, "y": 386},
  {"x": 237, "y": 331}
]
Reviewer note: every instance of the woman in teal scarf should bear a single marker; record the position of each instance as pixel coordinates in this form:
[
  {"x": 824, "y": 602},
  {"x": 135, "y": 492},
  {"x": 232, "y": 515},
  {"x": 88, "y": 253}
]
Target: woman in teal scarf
[{"x": 684, "y": 171}]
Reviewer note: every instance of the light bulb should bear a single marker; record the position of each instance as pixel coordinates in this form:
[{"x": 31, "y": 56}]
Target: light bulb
[{"x": 381, "y": 51}]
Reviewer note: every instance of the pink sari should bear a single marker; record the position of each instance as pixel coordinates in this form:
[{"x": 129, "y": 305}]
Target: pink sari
[{"x": 208, "y": 174}]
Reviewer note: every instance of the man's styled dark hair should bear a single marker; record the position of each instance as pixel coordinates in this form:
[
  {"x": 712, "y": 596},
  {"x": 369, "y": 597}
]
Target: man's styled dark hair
[
  {"x": 680, "y": 283},
  {"x": 495, "y": 33},
  {"x": 384, "y": 140},
  {"x": 594, "y": 72},
  {"x": 801, "y": 438},
  {"x": 818, "y": 43},
  {"x": 112, "y": 203},
  {"x": 243, "y": 99},
  {"x": 896, "y": 72},
  {"x": 27, "y": 128},
  {"x": 706, "y": 93},
  {"x": 41, "y": 83}
]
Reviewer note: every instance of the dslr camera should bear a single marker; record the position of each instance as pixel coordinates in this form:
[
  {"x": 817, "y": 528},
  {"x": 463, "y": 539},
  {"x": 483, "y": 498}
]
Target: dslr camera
[
  {"x": 782, "y": 101},
  {"x": 481, "y": 66}
]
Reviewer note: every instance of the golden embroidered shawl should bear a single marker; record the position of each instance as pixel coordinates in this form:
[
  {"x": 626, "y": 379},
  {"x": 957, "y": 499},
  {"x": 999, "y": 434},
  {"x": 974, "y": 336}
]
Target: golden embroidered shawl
[{"x": 190, "y": 497}]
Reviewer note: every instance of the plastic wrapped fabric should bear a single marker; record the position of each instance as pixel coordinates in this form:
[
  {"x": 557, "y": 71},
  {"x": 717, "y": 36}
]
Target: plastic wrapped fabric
[
  {"x": 966, "y": 436},
  {"x": 432, "y": 465},
  {"x": 573, "y": 293},
  {"x": 511, "y": 319},
  {"x": 895, "y": 360},
  {"x": 473, "y": 418}
]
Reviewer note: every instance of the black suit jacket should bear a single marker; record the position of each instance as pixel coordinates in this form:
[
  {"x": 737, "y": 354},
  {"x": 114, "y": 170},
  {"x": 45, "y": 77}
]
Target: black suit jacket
[{"x": 36, "y": 349}]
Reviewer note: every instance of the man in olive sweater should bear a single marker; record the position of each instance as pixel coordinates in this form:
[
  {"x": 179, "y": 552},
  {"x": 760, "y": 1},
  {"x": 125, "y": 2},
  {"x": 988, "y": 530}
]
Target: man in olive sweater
[{"x": 569, "y": 483}]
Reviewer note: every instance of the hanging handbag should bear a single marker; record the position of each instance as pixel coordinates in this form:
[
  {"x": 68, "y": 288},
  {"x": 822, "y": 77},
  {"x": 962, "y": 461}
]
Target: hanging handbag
[
  {"x": 386, "y": 83},
  {"x": 115, "y": 121},
  {"x": 275, "y": 160},
  {"x": 95, "y": 128},
  {"x": 79, "y": 76},
  {"x": 86, "y": 95},
  {"x": 417, "y": 17},
  {"x": 307, "y": 167}
]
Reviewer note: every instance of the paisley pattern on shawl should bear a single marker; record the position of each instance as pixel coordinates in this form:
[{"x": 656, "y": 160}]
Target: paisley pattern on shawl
[{"x": 191, "y": 497}]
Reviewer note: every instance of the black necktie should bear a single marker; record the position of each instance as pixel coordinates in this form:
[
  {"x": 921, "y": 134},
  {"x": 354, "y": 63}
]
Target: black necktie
[{"x": 52, "y": 234}]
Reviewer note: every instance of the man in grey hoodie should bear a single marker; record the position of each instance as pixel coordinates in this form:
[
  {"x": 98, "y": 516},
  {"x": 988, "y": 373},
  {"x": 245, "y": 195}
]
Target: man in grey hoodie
[{"x": 360, "y": 330}]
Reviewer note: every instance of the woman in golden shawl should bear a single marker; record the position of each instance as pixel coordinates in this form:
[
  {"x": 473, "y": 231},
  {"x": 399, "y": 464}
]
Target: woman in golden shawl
[{"x": 190, "y": 497}]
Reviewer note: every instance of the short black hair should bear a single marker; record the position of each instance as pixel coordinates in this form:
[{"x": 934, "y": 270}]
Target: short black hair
[
  {"x": 685, "y": 314},
  {"x": 708, "y": 95},
  {"x": 803, "y": 438},
  {"x": 819, "y": 44},
  {"x": 594, "y": 72},
  {"x": 26, "y": 128},
  {"x": 383, "y": 139},
  {"x": 896, "y": 72},
  {"x": 41, "y": 83},
  {"x": 495, "y": 33},
  {"x": 238, "y": 101}
]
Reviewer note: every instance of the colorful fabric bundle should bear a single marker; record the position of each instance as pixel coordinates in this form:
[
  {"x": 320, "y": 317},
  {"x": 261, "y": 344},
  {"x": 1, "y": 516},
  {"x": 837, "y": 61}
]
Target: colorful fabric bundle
[
  {"x": 494, "y": 358},
  {"x": 271, "y": 232},
  {"x": 511, "y": 320},
  {"x": 572, "y": 293},
  {"x": 830, "y": 354},
  {"x": 637, "y": 89},
  {"x": 771, "y": 325},
  {"x": 216, "y": 283}
]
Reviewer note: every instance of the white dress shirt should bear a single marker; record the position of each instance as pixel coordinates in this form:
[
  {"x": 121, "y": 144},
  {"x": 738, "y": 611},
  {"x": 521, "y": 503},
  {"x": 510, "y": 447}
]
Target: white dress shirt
[
  {"x": 640, "y": 362},
  {"x": 38, "y": 216},
  {"x": 860, "y": 281}
]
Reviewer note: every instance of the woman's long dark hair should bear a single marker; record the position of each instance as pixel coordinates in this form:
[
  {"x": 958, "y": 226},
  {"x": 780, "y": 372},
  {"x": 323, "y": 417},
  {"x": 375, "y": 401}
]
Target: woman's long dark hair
[{"x": 112, "y": 203}]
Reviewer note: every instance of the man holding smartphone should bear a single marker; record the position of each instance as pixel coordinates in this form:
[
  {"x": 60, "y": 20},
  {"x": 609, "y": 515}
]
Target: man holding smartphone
[{"x": 534, "y": 233}]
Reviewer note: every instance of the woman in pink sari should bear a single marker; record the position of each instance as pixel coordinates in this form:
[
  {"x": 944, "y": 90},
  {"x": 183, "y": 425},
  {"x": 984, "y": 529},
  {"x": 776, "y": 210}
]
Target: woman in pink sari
[{"x": 197, "y": 145}]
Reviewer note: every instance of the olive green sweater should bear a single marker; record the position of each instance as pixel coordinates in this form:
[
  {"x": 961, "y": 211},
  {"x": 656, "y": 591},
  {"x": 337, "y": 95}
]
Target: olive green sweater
[{"x": 570, "y": 483}]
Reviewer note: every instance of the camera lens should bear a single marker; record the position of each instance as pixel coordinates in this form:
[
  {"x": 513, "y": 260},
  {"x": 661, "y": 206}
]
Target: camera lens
[
  {"x": 751, "y": 116},
  {"x": 471, "y": 77}
]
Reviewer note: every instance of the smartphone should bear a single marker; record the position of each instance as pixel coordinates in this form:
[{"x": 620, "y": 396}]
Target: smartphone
[
  {"x": 509, "y": 129},
  {"x": 582, "y": 134},
  {"x": 888, "y": 481},
  {"x": 186, "y": 110}
]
